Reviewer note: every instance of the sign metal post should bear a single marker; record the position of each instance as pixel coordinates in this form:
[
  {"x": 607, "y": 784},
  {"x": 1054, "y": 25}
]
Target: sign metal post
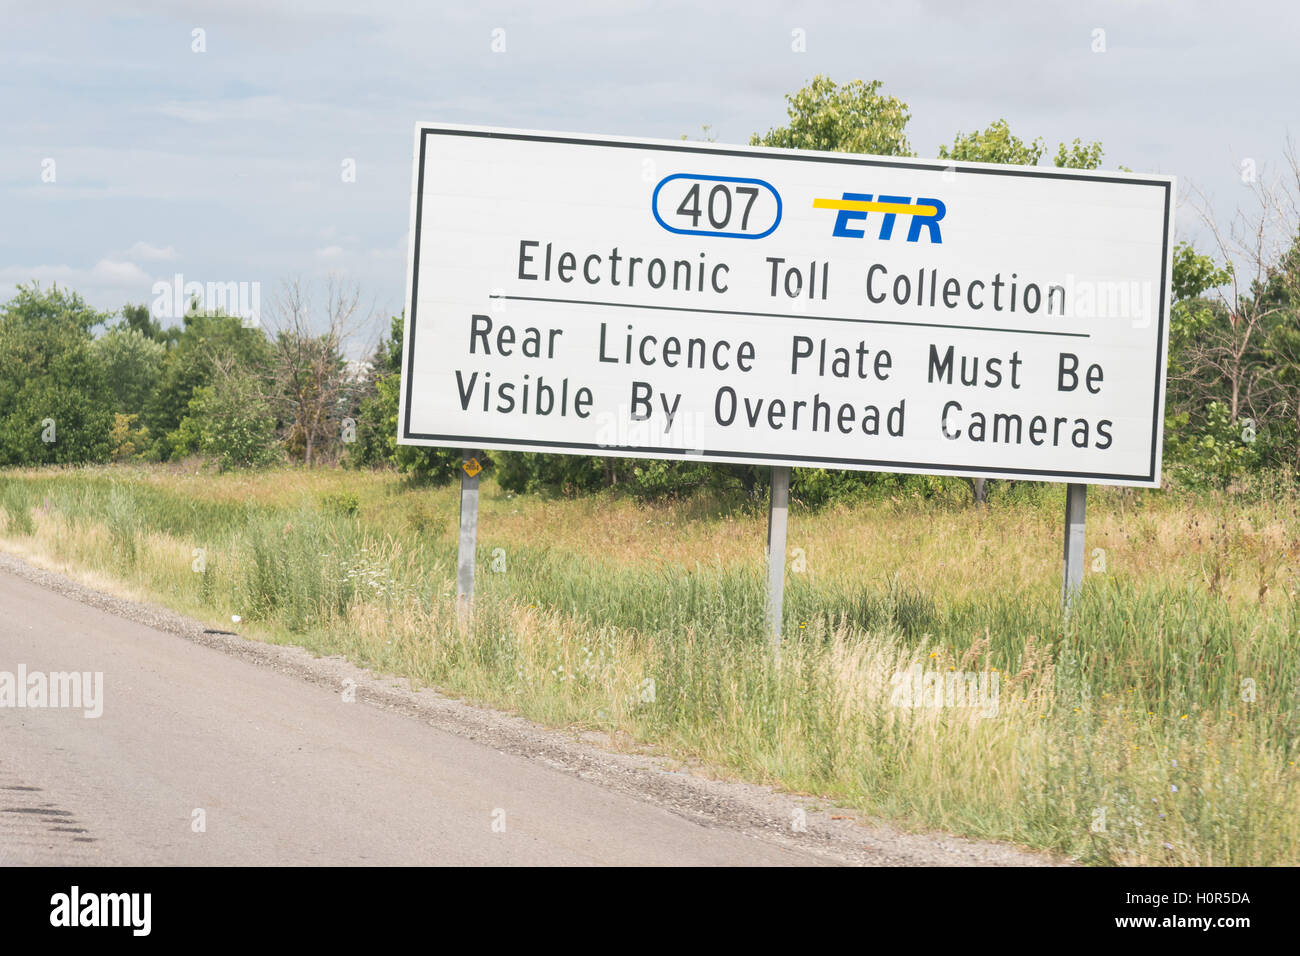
[
  {"x": 1076, "y": 500},
  {"x": 469, "y": 472},
  {"x": 778, "y": 510}
]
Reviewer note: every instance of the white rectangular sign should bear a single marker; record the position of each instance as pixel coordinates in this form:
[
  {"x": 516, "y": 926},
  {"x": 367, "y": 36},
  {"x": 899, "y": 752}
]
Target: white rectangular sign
[{"x": 605, "y": 296}]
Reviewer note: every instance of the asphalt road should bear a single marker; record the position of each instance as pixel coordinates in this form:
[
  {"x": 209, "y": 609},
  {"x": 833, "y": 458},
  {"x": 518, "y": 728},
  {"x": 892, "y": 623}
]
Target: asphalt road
[{"x": 284, "y": 771}]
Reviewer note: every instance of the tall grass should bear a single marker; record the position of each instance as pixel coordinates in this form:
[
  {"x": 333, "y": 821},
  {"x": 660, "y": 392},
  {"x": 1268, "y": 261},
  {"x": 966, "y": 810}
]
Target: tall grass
[{"x": 1156, "y": 723}]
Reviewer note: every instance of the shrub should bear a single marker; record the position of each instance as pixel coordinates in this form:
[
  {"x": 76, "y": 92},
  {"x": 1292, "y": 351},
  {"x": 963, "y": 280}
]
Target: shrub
[
  {"x": 230, "y": 421},
  {"x": 344, "y": 503}
]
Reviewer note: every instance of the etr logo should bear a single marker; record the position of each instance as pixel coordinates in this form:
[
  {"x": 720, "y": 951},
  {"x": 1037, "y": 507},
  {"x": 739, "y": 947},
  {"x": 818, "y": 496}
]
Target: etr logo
[{"x": 854, "y": 206}]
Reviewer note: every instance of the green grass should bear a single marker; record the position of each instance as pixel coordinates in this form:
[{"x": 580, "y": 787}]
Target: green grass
[{"x": 1163, "y": 706}]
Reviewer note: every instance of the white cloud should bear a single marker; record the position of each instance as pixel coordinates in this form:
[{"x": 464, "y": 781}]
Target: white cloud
[
  {"x": 145, "y": 251},
  {"x": 330, "y": 252},
  {"x": 105, "y": 285},
  {"x": 111, "y": 272}
]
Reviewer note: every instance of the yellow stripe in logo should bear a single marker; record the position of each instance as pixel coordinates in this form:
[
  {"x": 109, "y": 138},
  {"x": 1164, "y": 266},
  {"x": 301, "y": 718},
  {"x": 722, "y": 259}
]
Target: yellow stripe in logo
[{"x": 857, "y": 205}]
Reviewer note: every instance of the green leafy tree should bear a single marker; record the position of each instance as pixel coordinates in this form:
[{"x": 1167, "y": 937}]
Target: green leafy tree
[
  {"x": 997, "y": 144},
  {"x": 54, "y": 403},
  {"x": 853, "y": 118},
  {"x": 190, "y": 365},
  {"x": 1279, "y": 296},
  {"x": 376, "y": 442},
  {"x": 1214, "y": 451},
  {"x": 1192, "y": 317},
  {"x": 126, "y": 439},
  {"x": 1220, "y": 364},
  {"x": 230, "y": 420},
  {"x": 137, "y": 317},
  {"x": 1078, "y": 155},
  {"x": 131, "y": 361}
]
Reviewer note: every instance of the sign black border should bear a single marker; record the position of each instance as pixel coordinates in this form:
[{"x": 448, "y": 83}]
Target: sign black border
[{"x": 796, "y": 460}]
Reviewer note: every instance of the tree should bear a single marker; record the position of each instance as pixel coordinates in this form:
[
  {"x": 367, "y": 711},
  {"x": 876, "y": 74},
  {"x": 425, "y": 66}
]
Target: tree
[
  {"x": 853, "y": 118},
  {"x": 54, "y": 406},
  {"x": 995, "y": 145},
  {"x": 1277, "y": 295},
  {"x": 1234, "y": 348},
  {"x": 377, "y": 421},
  {"x": 1191, "y": 384},
  {"x": 1078, "y": 156},
  {"x": 125, "y": 439},
  {"x": 315, "y": 383},
  {"x": 1280, "y": 296},
  {"x": 230, "y": 420},
  {"x": 189, "y": 366},
  {"x": 131, "y": 362},
  {"x": 376, "y": 441},
  {"x": 1226, "y": 357},
  {"x": 137, "y": 317}
]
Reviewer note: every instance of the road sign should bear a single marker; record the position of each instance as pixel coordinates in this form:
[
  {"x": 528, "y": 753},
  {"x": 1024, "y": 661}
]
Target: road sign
[{"x": 606, "y": 296}]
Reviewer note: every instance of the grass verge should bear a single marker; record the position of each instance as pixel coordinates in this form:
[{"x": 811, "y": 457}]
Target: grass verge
[{"x": 928, "y": 676}]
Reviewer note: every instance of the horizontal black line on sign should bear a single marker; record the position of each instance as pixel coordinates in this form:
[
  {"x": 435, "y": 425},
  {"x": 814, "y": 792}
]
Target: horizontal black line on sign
[{"x": 792, "y": 315}]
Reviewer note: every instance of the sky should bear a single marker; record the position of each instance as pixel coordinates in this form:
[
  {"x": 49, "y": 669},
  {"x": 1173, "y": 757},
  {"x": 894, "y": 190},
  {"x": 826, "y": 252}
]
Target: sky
[{"x": 142, "y": 140}]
